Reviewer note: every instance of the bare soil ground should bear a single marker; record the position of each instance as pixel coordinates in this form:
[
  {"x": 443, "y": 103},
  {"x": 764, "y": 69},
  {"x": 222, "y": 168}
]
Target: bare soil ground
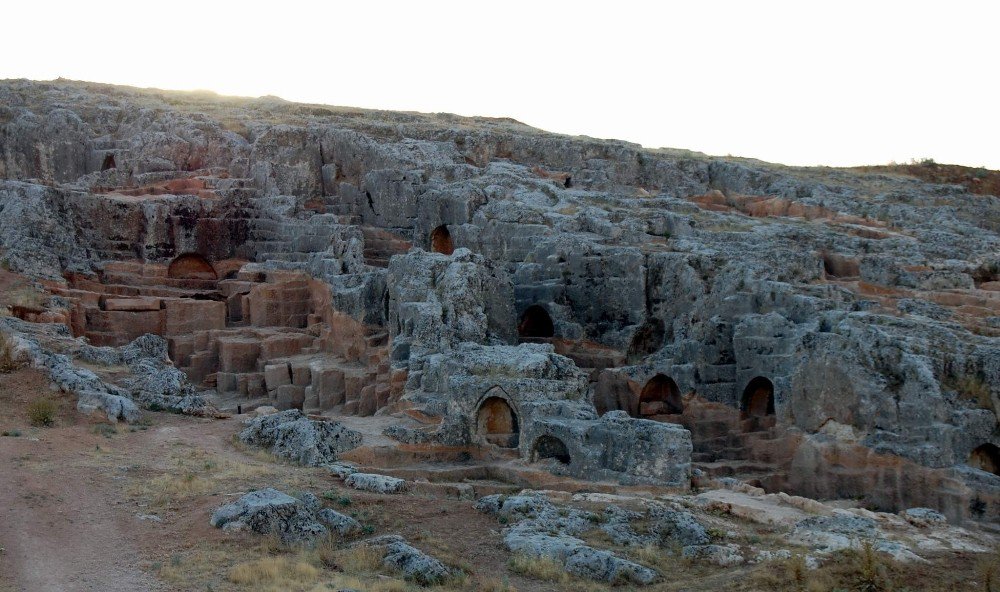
[
  {"x": 63, "y": 525},
  {"x": 85, "y": 505}
]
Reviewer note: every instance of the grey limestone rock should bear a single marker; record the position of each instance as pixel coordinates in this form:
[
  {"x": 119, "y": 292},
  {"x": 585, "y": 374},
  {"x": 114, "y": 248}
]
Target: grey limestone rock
[
  {"x": 677, "y": 525},
  {"x": 413, "y": 563},
  {"x": 539, "y": 528},
  {"x": 292, "y": 436},
  {"x": 721, "y": 555},
  {"x": 152, "y": 381},
  {"x": 375, "y": 483},
  {"x": 115, "y": 407},
  {"x": 341, "y": 470},
  {"x": 339, "y": 523},
  {"x": 923, "y": 517},
  {"x": 268, "y": 511},
  {"x": 595, "y": 564},
  {"x": 864, "y": 299}
]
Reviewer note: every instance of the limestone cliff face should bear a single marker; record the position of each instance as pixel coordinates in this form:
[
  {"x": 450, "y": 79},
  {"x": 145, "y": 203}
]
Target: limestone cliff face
[{"x": 862, "y": 300}]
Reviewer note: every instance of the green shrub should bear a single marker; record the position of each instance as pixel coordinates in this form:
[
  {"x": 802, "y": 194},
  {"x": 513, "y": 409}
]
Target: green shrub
[
  {"x": 42, "y": 413},
  {"x": 872, "y": 574},
  {"x": 104, "y": 429}
]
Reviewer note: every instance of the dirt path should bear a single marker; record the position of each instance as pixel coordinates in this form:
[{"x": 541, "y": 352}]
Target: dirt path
[
  {"x": 63, "y": 526},
  {"x": 71, "y": 499}
]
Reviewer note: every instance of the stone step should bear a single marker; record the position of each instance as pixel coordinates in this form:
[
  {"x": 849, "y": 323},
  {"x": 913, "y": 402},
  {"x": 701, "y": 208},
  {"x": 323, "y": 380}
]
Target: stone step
[
  {"x": 147, "y": 291},
  {"x": 730, "y": 440},
  {"x": 735, "y": 468},
  {"x": 129, "y": 279},
  {"x": 770, "y": 482},
  {"x": 293, "y": 257},
  {"x": 702, "y": 457}
]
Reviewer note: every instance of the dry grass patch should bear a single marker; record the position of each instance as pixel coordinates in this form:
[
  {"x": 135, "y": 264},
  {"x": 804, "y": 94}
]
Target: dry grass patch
[
  {"x": 195, "y": 472},
  {"x": 539, "y": 568},
  {"x": 791, "y": 574},
  {"x": 868, "y": 570},
  {"x": 268, "y": 571},
  {"x": 42, "y": 413},
  {"x": 493, "y": 584},
  {"x": 659, "y": 559},
  {"x": 598, "y": 538},
  {"x": 361, "y": 560},
  {"x": 442, "y": 552},
  {"x": 169, "y": 488},
  {"x": 7, "y": 362},
  {"x": 988, "y": 571}
]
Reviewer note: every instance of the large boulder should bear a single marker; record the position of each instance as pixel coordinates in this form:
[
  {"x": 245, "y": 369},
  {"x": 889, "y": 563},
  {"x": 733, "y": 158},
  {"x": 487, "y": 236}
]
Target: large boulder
[
  {"x": 116, "y": 407},
  {"x": 293, "y": 436},
  {"x": 269, "y": 511}
]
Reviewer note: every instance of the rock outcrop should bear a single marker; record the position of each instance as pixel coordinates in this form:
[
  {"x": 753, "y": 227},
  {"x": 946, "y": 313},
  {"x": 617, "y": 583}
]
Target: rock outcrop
[
  {"x": 828, "y": 332},
  {"x": 295, "y": 437},
  {"x": 540, "y": 529},
  {"x": 152, "y": 382},
  {"x": 295, "y": 520}
]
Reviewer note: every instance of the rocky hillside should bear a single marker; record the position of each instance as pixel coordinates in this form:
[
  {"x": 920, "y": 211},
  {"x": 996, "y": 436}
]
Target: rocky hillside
[{"x": 830, "y": 332}]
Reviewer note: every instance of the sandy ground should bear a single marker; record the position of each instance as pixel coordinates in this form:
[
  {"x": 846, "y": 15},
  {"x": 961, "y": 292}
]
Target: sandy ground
[
  {"x": 75, "y": 505},
  {"x": 63, "y": 524}
]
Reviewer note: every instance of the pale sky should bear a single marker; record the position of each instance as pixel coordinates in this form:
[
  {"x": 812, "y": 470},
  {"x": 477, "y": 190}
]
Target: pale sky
[{"x": 806, "y": 82}]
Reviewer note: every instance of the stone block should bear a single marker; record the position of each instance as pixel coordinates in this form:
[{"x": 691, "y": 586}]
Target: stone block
[
  {"x": 238, "y": 354},
  {"x": 285, "y": 345},
  {"x": 289, "y": 396},
  {"x": 301, "y": 375},
  {"x": 255, "y": 385},
  {"x": 180, "y": 348},
  {"x": 205, "y": 340},
  {"x": 283, "y": 304},
  {"x": 276, "y": 375},
  {"x": 311, "y": 401},
  {"x": 225, "y": 382},
  {"x": 132, "y": 304},
  {"x": 242, "y": 387},
  {"x": 184, "y": 317},
  {"x": 200, "y": 365},
  {"x": 328, "y": 384},
  {"x": 368, "y": 403},
  {"x": 124, "y": 325},
  {"x": 235, "y": 287},
  {"x": 234, "y": 308},
  {"x": 353, "y": 383}
]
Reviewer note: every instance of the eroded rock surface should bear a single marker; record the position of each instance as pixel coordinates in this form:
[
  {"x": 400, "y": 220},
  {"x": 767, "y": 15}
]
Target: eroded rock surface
[
  {"x": 295, "y": 520},
  {"x": 375, "y": 483},
  {"x": 413, "y": 563},
  {"x": 567, "y": 301},
  {"x": 292, "y": 436},
  {"x": 152, "y": 382},
  {"x": 540, "y": 529}
]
